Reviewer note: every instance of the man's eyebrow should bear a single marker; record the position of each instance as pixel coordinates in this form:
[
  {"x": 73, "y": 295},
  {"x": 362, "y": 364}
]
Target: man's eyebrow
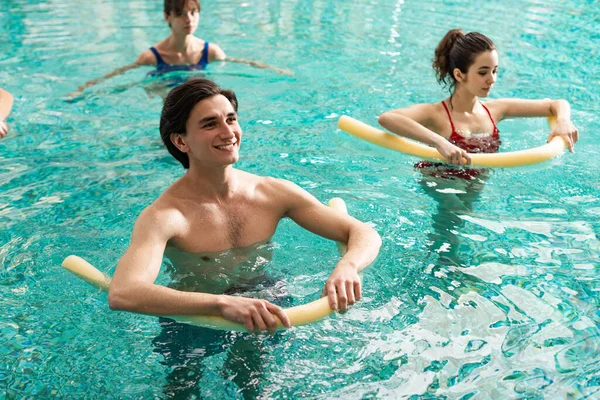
[
  {"x": 486, "y": 67},
  {"x": 213, "y": 118},
  {"x": 207, "y": 119}
]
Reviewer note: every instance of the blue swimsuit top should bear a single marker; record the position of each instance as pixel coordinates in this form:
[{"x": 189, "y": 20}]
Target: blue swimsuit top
[{"x": 162, "y": 67}]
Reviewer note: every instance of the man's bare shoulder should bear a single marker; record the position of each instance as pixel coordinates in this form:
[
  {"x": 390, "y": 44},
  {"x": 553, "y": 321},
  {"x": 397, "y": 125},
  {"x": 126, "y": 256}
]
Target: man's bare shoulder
[
  {"x": 282, "y": 192},
  {"x": 163, "y": 214},
  {"x": 269, "y": 185}
]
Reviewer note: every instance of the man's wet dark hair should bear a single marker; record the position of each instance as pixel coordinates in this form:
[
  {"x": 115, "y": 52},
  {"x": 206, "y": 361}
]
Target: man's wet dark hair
[{"x": 178, "y": 106}]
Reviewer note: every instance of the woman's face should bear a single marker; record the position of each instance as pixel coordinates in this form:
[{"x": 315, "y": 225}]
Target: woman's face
[
  {"x": 481, "y": 76},
  {"x": 185, "y": 22}
]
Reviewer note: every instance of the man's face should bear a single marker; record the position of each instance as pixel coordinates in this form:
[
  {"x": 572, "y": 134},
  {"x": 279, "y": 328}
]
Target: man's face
[{"x": 213, "y": 135}]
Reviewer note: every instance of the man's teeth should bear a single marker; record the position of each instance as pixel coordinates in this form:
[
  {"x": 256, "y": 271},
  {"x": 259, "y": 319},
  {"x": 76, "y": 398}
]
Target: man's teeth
[{"x": 225, "y": 146}]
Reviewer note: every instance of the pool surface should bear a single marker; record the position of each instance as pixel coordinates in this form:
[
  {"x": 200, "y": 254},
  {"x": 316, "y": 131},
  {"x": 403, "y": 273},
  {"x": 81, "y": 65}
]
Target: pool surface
[{"x": 486, "y": 290}]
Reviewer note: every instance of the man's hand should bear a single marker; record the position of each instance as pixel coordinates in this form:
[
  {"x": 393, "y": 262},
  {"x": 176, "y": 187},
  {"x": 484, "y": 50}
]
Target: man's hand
[
  {"x": 343, "y": 288},
  {"x": 255, "y": 314}
]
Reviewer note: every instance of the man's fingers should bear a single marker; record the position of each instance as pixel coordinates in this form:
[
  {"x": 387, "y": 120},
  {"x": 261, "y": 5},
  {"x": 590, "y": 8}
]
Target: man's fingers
[
  {"x": 268, "y": 318},
  {"x": 350, "y": 292},
  {"x": 257, "y": 318},
  {"x": 342, "y": 296},
  {"x": 249, "y": 324},
  {"x": 570, "y": 144},
  {"x": 330, "y": 288},
  {"x": 280, "y": 313},
  {"x": 357, "y": 290}
]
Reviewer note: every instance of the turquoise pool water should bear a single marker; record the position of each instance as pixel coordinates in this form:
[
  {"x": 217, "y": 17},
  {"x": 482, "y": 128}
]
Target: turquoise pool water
[{"x": 493, "y": 294}]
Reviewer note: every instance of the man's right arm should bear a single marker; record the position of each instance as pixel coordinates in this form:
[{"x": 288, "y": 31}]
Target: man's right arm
[{"x": 133, "y": 287}]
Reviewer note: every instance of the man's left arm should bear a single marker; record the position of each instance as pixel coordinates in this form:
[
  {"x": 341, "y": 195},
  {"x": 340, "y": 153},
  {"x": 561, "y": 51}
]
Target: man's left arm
[{"x": 343, "y": 287}]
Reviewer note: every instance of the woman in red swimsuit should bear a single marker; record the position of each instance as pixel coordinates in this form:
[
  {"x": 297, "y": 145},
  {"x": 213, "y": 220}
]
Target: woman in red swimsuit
[{"x": 462, "y": 124}]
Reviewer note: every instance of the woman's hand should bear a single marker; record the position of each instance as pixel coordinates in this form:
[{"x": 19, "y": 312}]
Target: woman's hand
[
  {"x": 453, "y": 154},
  {"x": 567, "y": 131}
]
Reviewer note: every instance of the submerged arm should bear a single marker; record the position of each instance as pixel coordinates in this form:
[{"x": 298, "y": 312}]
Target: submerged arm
[
  {"x": 259, "y": 64},
  {"x": 146, "y": 58},
  {"x": 217, "y": 54},
  {"x": 95, "y": 81}
]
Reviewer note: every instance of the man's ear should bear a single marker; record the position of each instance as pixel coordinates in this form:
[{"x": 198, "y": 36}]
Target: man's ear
[
  {"x": 167, "y": 18},
  {"x": 178, "y": 139},
  {"x": 458, "y": 75}
]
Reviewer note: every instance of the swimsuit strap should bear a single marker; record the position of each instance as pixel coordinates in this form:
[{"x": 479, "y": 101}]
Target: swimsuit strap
[
  {"x": 449, "y": 117},
  {"x": 496, "y": 131},
  {"x": 159, "y": 60},
  {"x": 204, "y": 59}
]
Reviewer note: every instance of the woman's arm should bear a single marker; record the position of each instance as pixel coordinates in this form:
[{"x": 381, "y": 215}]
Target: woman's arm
[
  {"x": 146, "y": 58},
  {"x": 217, "y": 54},
  {"x": 507, "y": 108},
  {"x": 411, "y": 122},
  {"x": 6, "y": 103}
]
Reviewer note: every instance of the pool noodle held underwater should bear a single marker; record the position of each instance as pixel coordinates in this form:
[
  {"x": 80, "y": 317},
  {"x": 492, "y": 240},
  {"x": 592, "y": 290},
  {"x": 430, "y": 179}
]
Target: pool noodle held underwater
[
  {"x": 299, "y": 315},
  {"x": 390, "y": 141}
]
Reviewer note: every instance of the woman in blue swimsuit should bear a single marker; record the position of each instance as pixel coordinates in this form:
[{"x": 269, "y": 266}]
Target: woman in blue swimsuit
[{"x": 181, "y": 50}]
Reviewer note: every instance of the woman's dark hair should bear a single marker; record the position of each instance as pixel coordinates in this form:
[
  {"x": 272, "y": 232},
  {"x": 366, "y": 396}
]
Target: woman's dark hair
[
  {"x": 178, "y": 106},
  {"x": 177, "y": 6},
  {"x": 458, "y": 50}
]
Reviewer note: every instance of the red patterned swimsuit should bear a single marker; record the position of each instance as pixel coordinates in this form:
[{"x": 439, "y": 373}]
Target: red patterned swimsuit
[{"x": 480, "y": 144}]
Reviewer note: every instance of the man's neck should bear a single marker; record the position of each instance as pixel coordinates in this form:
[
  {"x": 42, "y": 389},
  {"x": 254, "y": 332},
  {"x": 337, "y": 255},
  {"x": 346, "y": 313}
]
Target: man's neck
[{"x": 216, "y": 183}]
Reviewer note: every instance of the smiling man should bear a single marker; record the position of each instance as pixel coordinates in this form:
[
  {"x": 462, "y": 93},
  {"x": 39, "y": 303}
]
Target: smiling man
[{"x": 214, "y": 207}]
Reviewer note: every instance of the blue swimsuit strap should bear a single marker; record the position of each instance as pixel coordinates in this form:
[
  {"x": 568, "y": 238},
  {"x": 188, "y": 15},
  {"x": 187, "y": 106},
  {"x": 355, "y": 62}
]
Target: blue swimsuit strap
[
  {"x": 159, "y": 60},
  {"x": 204, "y": 58}
]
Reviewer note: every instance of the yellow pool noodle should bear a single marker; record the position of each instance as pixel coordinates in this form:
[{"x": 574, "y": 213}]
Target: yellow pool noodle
[{"x": 500, "y": 160}]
